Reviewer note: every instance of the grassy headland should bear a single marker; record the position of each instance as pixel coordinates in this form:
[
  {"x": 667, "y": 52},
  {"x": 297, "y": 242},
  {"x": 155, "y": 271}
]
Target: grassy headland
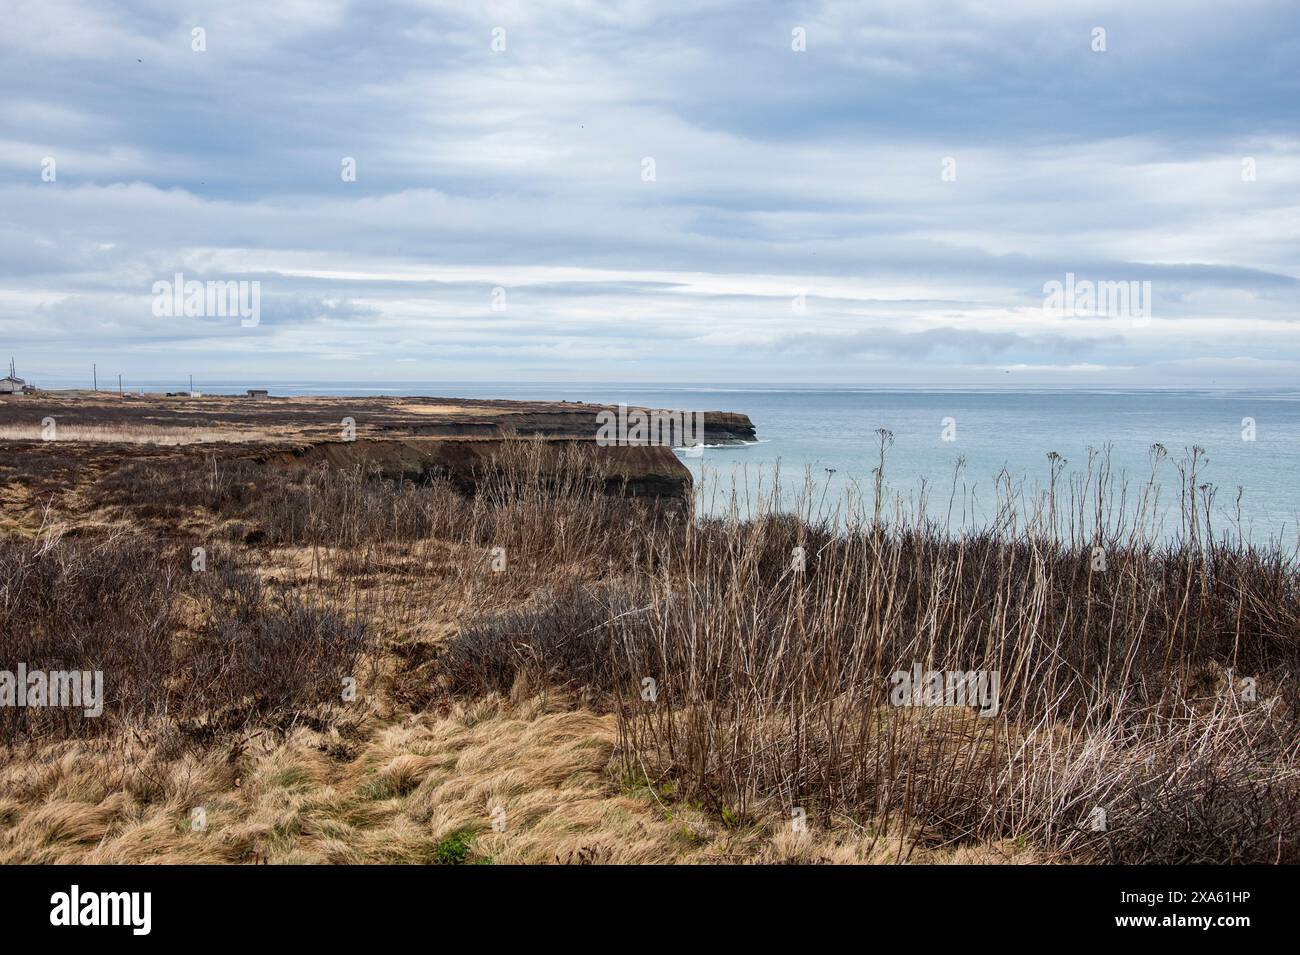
[{"x": 513, "y": 651}]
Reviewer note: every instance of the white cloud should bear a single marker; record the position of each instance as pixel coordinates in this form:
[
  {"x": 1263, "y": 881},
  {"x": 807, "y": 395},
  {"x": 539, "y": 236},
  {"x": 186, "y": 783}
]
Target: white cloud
[{"x": 776, "y": 171}]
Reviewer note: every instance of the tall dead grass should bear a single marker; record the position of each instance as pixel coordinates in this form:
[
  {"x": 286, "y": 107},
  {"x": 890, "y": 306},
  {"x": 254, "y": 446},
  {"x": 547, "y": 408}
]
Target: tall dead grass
[
  {"x": 1146, "y": 673},
  {"x": 1146, "y": 652},
  {"x": 193, "y": 654}
]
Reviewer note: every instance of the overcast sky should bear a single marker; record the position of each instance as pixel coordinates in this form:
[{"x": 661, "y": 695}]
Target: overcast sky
[{"x": 883, "y": 206}]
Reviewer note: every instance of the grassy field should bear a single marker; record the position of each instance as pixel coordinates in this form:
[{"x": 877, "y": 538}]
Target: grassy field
[{"x": 360, "y": 669}]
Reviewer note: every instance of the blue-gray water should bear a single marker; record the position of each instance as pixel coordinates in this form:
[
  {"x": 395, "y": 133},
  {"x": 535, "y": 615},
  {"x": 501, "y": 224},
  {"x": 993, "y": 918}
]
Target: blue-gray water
[{"x": 820, "y": 428}]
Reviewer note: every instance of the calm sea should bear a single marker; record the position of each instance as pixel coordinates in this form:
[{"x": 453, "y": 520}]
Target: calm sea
[{"x": 830, "y": 432}]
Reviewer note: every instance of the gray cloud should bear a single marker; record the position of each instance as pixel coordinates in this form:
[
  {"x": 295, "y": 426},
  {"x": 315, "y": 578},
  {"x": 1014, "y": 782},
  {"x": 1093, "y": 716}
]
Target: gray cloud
[{"x": 779, "y": 175}]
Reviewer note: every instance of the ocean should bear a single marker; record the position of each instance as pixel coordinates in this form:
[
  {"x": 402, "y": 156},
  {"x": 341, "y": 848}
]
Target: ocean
[{"x": 1251, "y": 439}]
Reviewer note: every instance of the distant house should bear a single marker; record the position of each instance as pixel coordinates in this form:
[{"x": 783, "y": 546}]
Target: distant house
[
  {"x": 12, "y": 384},
  {"x": 258, "y": 393}
]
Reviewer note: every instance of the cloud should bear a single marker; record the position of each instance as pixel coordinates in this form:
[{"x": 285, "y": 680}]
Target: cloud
[
  {"x": 967, "y": 343},
  {"x": 781, "y": 177}
]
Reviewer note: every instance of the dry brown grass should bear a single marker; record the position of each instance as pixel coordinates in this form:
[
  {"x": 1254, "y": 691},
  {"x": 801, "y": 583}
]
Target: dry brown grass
[
  {"x": 410, "y": 790},
  {"x": 1150, "y": 687},
  {"x": 134, "y": 434},
  {"x": 520, "y": 689}
]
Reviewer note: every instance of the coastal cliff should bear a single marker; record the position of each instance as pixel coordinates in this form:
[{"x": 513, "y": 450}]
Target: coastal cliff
[
  {"x": 652, "y": 471},
  {"x": 413, "y": 438}
]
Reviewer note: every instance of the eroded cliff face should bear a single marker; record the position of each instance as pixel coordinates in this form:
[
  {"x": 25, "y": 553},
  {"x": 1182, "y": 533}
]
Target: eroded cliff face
[
  {"x": 639, "y": 471},
  {"x": 424, "y": 439},
  {"x": 259, "y": 419},
  {"x": 723, "y": 427},
  {"x": 579, "y": 422},
  {"x": 416, "y": 437}
]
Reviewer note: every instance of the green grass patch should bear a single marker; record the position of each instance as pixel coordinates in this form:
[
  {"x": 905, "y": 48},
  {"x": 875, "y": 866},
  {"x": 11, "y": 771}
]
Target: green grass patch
[{"x": 455, "y": 848}]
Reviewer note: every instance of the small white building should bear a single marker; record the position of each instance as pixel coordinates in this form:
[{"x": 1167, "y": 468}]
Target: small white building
[{"x": 12, "y": 384}]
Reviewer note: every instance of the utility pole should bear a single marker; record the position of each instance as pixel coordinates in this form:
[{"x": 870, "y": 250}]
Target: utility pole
[
  {"x": 119, "y": 386},
  {"x": 94, "y": 371},
  {"x": 191, "y": 386}
]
